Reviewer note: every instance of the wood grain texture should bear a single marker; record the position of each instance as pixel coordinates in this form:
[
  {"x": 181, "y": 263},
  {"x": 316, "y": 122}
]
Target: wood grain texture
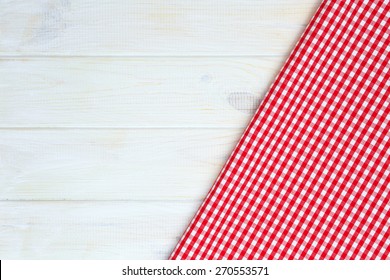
[
  {"x": 117, "y": 116},
  {"x": 133, "y": 92},
  {"x": 148, "y": 27},
  {"x": 118, "y": 164},
  {"x": 92, "y": 230}
]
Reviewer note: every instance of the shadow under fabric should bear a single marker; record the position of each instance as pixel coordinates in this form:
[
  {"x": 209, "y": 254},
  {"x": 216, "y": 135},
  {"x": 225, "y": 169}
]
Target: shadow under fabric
[{"x": 309, "y": 178}]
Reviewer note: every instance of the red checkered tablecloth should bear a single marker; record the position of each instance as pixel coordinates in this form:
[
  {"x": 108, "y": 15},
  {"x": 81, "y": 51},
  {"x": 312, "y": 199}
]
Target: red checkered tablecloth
[{"x": 309, "y": 179}]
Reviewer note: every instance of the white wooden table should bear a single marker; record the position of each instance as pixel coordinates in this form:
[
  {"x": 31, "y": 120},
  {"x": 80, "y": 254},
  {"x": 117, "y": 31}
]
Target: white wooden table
[{"x": 116, "y": 116}]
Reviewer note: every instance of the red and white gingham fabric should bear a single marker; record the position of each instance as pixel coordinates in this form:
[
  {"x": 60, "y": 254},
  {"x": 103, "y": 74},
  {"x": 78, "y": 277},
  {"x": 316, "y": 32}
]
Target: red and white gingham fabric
[{"x": 309, "y": 179}]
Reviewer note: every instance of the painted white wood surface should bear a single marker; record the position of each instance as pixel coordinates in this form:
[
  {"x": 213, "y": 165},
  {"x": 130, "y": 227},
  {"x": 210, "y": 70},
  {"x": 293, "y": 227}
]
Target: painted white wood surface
[
  {"x": 149, "y": 27},
  {"x": 117, "y": 116},
  {"x": 92, "y": 230},
  {"x": 112, "y": 164},
  {"x": 133, "y": 92}
]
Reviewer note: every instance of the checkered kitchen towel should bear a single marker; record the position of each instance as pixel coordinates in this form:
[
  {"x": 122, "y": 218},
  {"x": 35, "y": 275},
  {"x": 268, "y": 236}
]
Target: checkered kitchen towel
[{"x": 309, "y": 179}]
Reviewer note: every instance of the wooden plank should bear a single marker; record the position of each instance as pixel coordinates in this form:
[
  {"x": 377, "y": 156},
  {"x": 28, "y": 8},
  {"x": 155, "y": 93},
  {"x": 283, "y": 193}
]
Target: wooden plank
[
  {"x": 133, "y": 92},
  {"x": 111, "y": 164},
  {"x": 92, "y": 230},
  {"x": 149, "y": 27}
]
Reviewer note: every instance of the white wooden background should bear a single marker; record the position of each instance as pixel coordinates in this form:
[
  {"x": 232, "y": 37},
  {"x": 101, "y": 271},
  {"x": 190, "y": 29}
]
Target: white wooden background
[{"x": 116, "y": 116}]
